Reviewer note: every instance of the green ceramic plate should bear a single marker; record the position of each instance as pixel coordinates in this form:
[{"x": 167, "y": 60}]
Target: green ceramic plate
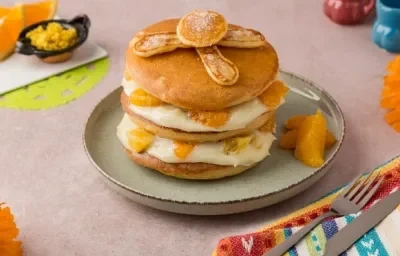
[{"x": 275, "y": 179}]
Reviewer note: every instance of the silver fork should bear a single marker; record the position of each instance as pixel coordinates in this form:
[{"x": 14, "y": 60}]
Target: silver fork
[{"x": 351, "y": 200}]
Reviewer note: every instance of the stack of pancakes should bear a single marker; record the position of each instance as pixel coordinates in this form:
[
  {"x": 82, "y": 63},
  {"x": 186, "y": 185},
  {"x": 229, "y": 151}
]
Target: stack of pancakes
[{"x": 199, "y": 102}]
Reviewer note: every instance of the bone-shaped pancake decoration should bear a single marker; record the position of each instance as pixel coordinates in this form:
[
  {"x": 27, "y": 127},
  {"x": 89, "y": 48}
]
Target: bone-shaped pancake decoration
[
  {"x": 242, "y": 38},
  {"x": 221, "y": 70},
  {"x": 146, "y": 45},
  {"x": 201, "y": 28}
]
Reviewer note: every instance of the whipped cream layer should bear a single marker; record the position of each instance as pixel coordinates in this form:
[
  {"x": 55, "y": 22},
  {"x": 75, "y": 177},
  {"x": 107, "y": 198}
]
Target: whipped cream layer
[
  {"x": 171, "y": 116},
  {"x": 210, "y": 152}
]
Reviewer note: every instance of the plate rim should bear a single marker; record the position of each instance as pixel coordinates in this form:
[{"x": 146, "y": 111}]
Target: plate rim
[{"x": 235, "y": 201}]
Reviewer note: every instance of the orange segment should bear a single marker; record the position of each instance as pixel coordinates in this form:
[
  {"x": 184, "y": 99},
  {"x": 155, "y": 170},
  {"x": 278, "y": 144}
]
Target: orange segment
[
  {"x": 210, "y": 118},
  {"x": 269, "y": 125},
  {"x": 40, "y": 11},
  {"x": 10, "y": 27},
  {"x": 139, "y": 139},
  {"x": 273, "y": 95},
  {"x": 330, "y": 140},
  {"x": 6, "y": 43},
  {"x": 140, "y": 97},
  {"x": 310, "y": 145},
  {"x": 4, "y": 11},
  {"x": 182, "y": 149},
  {"x": 295, "y": 121},
  {"x": 288, "y": 140}
]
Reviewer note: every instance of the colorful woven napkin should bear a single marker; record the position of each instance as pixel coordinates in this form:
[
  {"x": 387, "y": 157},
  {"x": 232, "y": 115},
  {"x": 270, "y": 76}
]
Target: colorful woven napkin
[{"x": 382, "y": 240}]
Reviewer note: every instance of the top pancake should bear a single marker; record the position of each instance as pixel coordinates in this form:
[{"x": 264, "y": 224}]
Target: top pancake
[{"x": 180, "y": 78}]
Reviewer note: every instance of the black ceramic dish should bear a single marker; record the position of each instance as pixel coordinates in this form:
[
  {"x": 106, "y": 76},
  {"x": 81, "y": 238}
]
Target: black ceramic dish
[{"x": 81, "y": 23}]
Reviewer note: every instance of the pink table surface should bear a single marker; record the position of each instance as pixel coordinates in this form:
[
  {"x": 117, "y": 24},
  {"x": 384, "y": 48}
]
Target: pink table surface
[{"x": 62, "y": 206}]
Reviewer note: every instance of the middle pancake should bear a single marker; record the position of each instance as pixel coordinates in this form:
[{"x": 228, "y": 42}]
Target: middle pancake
[{"x": 174, "y": 123}]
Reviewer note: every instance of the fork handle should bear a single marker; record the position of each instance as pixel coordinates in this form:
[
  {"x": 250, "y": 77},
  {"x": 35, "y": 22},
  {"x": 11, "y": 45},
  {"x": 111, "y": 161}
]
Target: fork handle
[{"x": 293, "y": 239}]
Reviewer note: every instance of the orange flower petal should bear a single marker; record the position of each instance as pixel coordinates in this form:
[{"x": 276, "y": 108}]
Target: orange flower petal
[
  {"x": 391, "y": 78},
  {"x": 8, "y": 233},
  {"x": 390, "y": 102},
  {"x": 12, "y": 248},
  {"x": 394, "y": 65},
  {"x": 390, "y": 93},
  {"x": 396, "y": 127},
  {"x": 392, "y": 117},
  {"x": 395, "y": 85}
]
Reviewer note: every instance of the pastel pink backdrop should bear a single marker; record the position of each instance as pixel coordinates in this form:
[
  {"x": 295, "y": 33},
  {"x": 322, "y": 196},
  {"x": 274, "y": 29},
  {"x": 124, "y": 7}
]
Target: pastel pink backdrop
[{"x": 62, "y": 206}]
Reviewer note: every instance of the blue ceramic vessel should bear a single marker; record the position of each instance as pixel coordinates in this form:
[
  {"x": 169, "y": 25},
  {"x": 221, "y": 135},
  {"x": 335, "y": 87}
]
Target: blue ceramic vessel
[{"x": 386, "y": 30}]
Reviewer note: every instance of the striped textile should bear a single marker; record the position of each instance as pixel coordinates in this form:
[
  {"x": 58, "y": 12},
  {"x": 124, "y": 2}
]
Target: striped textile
[{"x": 383, "y": 240}]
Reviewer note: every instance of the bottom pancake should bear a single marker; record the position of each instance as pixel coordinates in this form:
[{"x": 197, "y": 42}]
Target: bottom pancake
[
  {"x": 192, "y": 171},
  {"x": 175, "y": 134}
]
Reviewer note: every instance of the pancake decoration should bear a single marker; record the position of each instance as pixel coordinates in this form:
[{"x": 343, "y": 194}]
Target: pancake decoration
[{"x": 204, "y": 31}]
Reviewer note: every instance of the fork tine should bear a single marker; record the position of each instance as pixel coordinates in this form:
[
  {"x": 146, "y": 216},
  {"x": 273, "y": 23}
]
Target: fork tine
[
  {"x": 351, "y": 185},
  {"x": 368, "y": 196},
  {"x": 357, "y": 188},
  {"x": 365, "y": 189}
]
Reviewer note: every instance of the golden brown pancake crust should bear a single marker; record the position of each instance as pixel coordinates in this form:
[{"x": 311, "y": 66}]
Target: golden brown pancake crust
[
  {"x": 176, "y": 134},
  {"x": 180, "y": 78},
  {"x": 193, "y": 171}
]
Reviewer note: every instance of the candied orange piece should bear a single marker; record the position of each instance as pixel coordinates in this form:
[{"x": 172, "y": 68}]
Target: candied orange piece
[
  {"x": 39, "y": 11},
  {"x": 213, "y": 119},
  {"x": 295, "y": 121},
  {"x": 288, "y": 140},
  {"x": 139, "y": 139},
  {"x": 273, "y": 95},
  {"x": 234, "y": 146},
  {"x": 269, "y": 125},
  {"x": 310, "y": 145},
  {"x": 140, "y": 97},
  {"x": 182, "y": 149},
  {"x": 127, "y": 75}
]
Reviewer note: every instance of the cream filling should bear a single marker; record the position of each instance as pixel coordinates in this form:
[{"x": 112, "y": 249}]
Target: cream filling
[
  {"x": 210, "y": 152},
  {"x": 173, "y": 117}
]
